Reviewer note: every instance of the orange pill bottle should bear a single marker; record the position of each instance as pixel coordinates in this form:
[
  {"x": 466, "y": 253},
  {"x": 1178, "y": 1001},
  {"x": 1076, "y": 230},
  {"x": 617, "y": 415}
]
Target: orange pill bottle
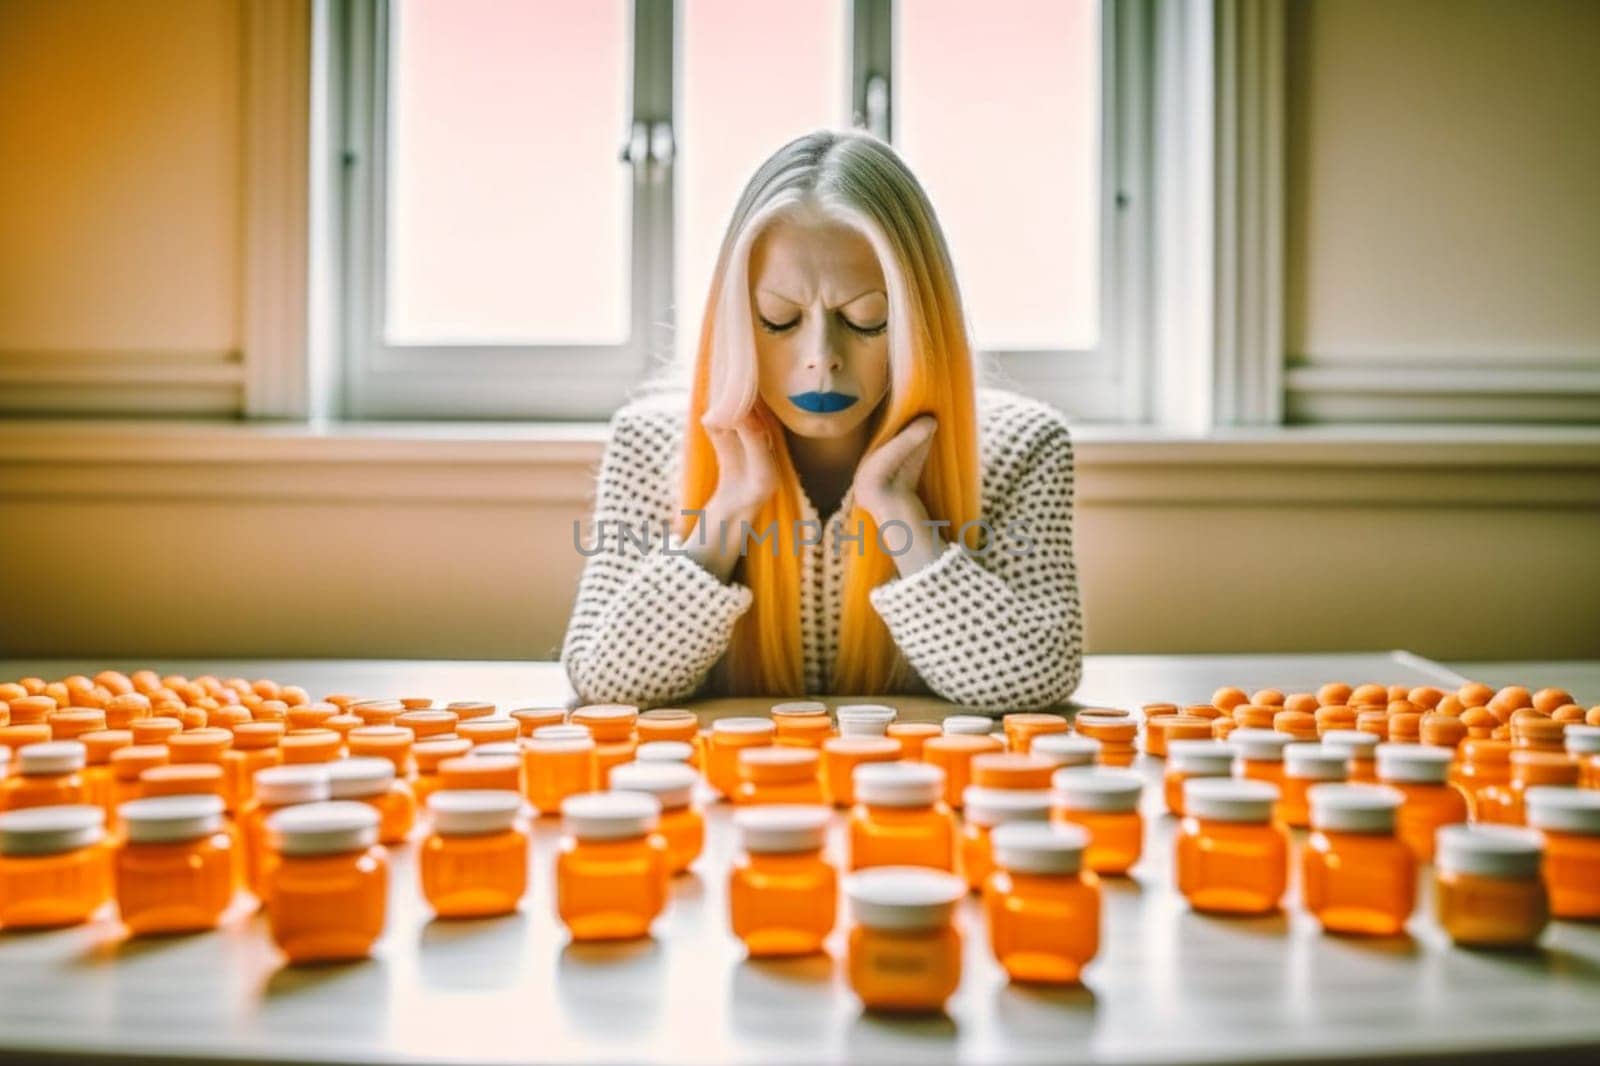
[
  {"x": 1421, "y": 773},
  {"x": 661, "y": 724},
  {"x": 986, "y": 808},
  {"x": 953, "y": 753},
  {"x": 1360, "y": 749},
  {"x": 611, "y": 873},
  {"x": 1502, "y": 804},
  {"x": 370, "y": 779},
  {"x": 612, "y": 725},
  {"x": 912, "y": 736},
  {"x": 1066, "y": 749},
  {"x": 904, "y": 951},
  {"x": 1116, "y": 733},
  {"x": 1258, "y": 754},
  {"x": 255, "y": 747},
  {"x": 1231, "y": 857},
  {"x": 682, "y": 825},
  {"x": 48, "y": 774},
  {"x": 1022, "y": 728},
  {"x": 782, "y": 892},
  {"x": 1159, "y": 733},
  {"x": 728, "y": 737},
  {"x": 428, "y": 755},
  {"x": 391, "y": 742},
  {"x": 175, "y": 868},
  {"x": 1583, "y": 744},
  {"x": 481, "y": 731},
  {"x": 1488, "y": 887},
  {"x": 1569, "y": 820},
  {"x": 424, "y": 722},
  {"x": 1189, "y": 759},
  {"x": 557, "y": 762},
  {"x": 842, "y": 754},
  {"x": 327, "y": 885},
  {"x": 530, "y": 718},
  {"x": 1042, "y": 904},
  {"x": 900, "y": 817},
  {"x": 55, "y": 866},
  {"x": 1103, "y": 801},
  {"x": 72, "y": 722},
  {"x": 1304, "y": 766},
  {"x": 802, "y": 723},
  {"x": 127, "y": 764},
  {"x": 276, "y": 788},
  {"x": 778, "y": 774},
  {"x": 1356, "y": 876},
  {"x": 481, "y": 768},
  {"x": 300, "y": 747},
  {"x": 98, "y": 779},
  {"x": 474, "y": 863},
  {"x": 1482, "y": 765}
]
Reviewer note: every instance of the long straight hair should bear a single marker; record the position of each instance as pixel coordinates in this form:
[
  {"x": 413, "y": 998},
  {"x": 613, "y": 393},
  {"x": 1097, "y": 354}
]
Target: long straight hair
[{"x": 857, "y": 180}]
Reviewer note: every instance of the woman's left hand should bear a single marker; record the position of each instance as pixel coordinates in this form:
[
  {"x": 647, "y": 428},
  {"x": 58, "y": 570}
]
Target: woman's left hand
[{"x": 886, "y": 487}]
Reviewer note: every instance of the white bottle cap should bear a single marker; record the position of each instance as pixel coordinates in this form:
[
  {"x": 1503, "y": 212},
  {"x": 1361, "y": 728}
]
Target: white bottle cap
[
  {"x": 1315, "y": 762},
  {"x": 610, "y": 815},
  {"x": 664, "y": 751},
  {"x": 1039, "y": 847},
  {"x": 5, "y": 754},
  {"x": 1354, "y": 808},
  {"x": 50, "y": 830},
  {"x": 969, "y": 723},
  {"x": 1414, "y": 763},
  {"x": 799, "y": 709},
  {"x": 473, "y": 811},
  {"x": 1354, "y": 743},
  {"x": 745, "y": 726},
  {"x": 358, "y": 776},
  {"x": 1202, "y": 758},
  {"x": 322, "y": 828},
  {"x": 903, "y": 897},
  {"x": 998, "y": 806},
  {"x": 559, "y": 738},
  {"x": 501, "y": 748},
  {"x": 279, "y": 786},
  {"x": 1563, "y": 810},
  {"x": 1582, "y": 739},
  {"x": 782, "y": 828},
  {"x": 168, "y": 819},
  {"x": 672, "y": 783},
  {"x": 1229, "y": 799},
  {"x": 863, "y": 727},
  {"x": 898, "y": 784},
  {"x": 1106, "y": 789},
  {"x": 877, "y": 712},
  {"x": 51, "y": 757},
  {"x": 1488, "y": 850},
  {"x": 1066, "y": 749},
  {"x": 1259, "y": 745}
]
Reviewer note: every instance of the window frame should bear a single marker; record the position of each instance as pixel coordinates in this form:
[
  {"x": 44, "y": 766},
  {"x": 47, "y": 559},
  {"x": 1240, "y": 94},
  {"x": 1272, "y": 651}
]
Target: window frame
[{"x": 1109, "y": 382}]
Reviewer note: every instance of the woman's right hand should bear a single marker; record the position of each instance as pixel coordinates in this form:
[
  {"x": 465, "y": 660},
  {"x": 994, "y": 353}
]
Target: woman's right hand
[{"x": 747, "y": 476}]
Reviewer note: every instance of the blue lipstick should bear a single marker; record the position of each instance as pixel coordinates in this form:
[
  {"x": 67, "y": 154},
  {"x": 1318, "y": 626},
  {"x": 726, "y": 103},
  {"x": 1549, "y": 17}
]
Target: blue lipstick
[{"x": 822, "y": 402}]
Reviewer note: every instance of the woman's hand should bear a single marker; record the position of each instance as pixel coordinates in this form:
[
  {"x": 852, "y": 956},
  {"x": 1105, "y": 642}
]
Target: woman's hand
[
  {"x": 886, "y": 487},
  {"x": 747, "y": 476}
]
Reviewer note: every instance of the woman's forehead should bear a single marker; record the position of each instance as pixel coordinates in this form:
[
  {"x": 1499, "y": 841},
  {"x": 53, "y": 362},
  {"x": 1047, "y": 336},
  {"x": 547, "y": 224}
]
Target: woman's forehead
[{"x": 796, "y": 261}]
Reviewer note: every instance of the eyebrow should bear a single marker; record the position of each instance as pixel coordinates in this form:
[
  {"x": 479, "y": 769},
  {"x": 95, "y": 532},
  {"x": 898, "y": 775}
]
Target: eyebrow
[{"x": 835, "y": 307}]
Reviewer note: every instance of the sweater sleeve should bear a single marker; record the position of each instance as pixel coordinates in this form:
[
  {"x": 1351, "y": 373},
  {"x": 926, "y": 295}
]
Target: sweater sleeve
[
  {"x": 1000, "y": 628},
  {"x": 648, "y": 622}
]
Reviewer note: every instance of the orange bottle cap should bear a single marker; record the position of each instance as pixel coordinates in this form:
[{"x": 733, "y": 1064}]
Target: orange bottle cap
[
  {"x": 485, "y": 771},
  {"x": 913, "y": 729},
  {"x": 68, "y": 723},
  {"x": 99, "y": 745},
  {"x": 880, "y": 747},
  {"x": 359, "y": 776},
  {"x": 199, "y": 745},
  {"x": 182, "y": 779},
  {"x": 1106, "y": 728},
  {"x": 897, "y": 784},
  {"x": 950, "y": 743},
  {"x": 50, "y": 830},
  {"x": 253, "y": 736},
  {"x": 782, "y": 828},
  {"x": 530, "y": 718},
  {"x": 427, "y": 723},
  {"x": 1442, "y": 730},
  {"x": 1105, "y": 789},
  {"x": 475, "y": 811},
  {"x": 672, "y": 783},
  {"x": 488, "y": 730},
  {"x": 468, "y": 710},
  {"x": 430, "y": 753},
  {"x": 154, "y": 730},
  {"x": 1255, "y": 715},
  {"x": 311, "y": 715},
  {"x": 997, "y": 769},
  {"x": 903, "y": 898},
  {"x": 312, "y": 745},
  {"x": 1304, "y": 702},
  {"x": 1152, "y": 711}
]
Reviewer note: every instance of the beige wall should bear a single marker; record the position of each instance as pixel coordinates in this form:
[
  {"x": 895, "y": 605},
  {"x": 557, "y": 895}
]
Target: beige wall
[
  {"x": 1441, "y": 202},
  {"x": 120, "y": 187},
  {"x": 1443, "y": 166}
]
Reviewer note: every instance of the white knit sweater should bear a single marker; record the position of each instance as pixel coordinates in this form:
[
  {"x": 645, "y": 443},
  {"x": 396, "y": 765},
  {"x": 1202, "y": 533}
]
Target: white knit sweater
[{"x": 993, "y": 630}]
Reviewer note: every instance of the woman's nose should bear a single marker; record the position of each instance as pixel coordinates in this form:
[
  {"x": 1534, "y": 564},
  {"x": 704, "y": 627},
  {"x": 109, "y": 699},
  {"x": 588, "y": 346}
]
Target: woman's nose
[{"x": 822, "y": 350}]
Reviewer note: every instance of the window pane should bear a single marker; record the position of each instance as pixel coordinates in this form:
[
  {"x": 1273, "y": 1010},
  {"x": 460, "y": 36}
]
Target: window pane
[
  {"x": 996, "y": 110},
  {"x": 754, "y": 77},
  {"x": 509, "y": 212}
]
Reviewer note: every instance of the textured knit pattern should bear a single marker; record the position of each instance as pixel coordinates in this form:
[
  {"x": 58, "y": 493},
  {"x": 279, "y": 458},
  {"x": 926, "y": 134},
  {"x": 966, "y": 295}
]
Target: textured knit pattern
[{"x": 997, "y": 628}]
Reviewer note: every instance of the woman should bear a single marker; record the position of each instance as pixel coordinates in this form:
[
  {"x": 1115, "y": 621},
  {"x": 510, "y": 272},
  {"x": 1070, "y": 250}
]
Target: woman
[{"x": 832, "y": 505}]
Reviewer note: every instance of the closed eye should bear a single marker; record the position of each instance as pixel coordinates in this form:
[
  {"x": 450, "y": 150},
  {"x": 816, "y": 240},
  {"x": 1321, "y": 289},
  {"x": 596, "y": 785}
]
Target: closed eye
[
  {"x": 773, "y": 327},
  {"x": 867, "y": 331}
]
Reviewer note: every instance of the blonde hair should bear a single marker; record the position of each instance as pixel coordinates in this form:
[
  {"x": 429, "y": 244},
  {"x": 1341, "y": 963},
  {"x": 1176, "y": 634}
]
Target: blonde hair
[{"x": 858, "y": 180}]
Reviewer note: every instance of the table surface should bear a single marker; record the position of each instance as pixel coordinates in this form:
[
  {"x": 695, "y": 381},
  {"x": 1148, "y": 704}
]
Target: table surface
[{"x": 1168, "y": 985}]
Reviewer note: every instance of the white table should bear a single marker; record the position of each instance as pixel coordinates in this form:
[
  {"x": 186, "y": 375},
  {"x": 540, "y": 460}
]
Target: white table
[{"x": 1168, "y": 984}]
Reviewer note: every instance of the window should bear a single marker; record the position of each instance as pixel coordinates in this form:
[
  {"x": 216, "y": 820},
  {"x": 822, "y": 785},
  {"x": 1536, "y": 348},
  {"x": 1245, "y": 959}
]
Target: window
[{"x": 535, "y": 190}]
